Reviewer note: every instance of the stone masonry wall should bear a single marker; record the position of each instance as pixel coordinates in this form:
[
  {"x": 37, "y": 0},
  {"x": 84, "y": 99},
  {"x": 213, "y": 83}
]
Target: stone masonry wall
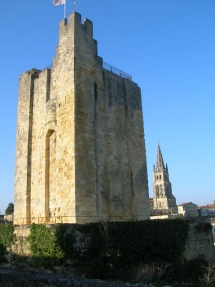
[
  {"x": 23, "y": 148},
  {"x": 80, "y": 140},
  {"x": 199, "y": 243}
]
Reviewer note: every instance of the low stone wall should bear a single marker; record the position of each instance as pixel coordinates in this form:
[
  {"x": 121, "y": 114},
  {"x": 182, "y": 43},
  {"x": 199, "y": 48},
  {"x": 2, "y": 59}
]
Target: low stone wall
[
  {"x": 8, "y": 218},
  {"x": 21, "y": 246},
  {"x": 199, "y": 242}
]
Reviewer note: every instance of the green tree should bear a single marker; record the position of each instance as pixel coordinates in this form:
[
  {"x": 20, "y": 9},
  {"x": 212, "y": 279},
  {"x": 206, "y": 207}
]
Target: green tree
[{"x": 9, "y": 209}]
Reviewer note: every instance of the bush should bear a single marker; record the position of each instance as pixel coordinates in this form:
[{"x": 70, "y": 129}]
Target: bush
[
  {"x": 6, "y": 239},
  {"x": 44, "y": 246},
  {"x": 182, "y": 270},
  {"x": 208, "y": 278},
  {"x": 110, "y": 250},
  {"x": 116, "y": 247}
]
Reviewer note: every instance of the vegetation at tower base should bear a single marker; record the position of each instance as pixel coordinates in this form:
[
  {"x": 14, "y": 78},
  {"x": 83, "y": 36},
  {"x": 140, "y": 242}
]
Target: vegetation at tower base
[
  {"x": 106, "y": 249},
  {"x": 44, "y": 246},
  {"x": 137, "y": 251},
  {"x": 6, "y": 239}
]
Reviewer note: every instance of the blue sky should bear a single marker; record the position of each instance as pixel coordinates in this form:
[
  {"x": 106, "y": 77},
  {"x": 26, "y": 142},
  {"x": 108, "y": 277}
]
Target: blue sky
[{"x": 168, "y": 46}]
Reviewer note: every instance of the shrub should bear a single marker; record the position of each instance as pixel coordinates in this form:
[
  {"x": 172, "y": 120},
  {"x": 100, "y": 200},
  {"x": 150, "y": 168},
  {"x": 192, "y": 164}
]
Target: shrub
[
  {"x": 182, "y": 270},
  {"x": 208, "y": 278},
  {"x": 44, "y": 246},
  {"x": 110, "y": 250},
  {"x": 116, "y": 247},
  {"x": 6, "y": 239}
]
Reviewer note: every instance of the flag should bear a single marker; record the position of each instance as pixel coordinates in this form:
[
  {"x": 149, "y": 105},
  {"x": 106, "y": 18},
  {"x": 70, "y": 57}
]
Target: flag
[{"x": 58, "y": 2}]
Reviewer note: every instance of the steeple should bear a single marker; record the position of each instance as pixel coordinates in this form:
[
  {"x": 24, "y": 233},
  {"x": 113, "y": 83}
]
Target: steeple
[
  {"x": 160, "y": 162},
  {"x": 163, "y": 198}
]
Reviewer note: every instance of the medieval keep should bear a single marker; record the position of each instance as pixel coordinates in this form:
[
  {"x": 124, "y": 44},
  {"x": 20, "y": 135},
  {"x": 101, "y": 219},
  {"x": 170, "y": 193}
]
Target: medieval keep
[
  {"x": 163, "y": 199},
  {"x": 80, "y": 151}
]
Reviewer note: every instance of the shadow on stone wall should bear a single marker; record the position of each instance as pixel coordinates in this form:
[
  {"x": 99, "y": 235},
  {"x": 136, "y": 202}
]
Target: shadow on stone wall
[{"x": 107, "y": 250}]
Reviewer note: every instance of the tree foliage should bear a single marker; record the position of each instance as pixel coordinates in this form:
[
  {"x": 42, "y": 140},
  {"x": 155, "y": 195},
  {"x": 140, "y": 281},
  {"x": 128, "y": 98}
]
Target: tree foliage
[{"x": 10, "y": 209}]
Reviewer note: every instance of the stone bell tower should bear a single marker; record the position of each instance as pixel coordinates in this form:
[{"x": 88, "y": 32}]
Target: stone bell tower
[{"x": 163, "y": 198}]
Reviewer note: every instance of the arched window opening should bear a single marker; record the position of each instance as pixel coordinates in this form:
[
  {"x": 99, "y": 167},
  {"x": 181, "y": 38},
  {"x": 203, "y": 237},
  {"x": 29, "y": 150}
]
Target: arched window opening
[{"x": 157, "y": 190}]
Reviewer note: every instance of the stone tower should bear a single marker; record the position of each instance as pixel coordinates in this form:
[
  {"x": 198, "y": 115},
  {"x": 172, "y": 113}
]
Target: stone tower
[
  {"x": 80, "y": 151},
  {"x": 163, "y": 198}
]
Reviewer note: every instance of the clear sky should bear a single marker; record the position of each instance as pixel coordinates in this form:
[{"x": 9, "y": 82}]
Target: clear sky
[{"x": 168, "y": 46}]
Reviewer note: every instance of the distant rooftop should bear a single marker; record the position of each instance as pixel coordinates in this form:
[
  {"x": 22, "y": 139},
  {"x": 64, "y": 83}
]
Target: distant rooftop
[
  {"x": 208, "y": 206},
  {"x": 185, "y": 203}
]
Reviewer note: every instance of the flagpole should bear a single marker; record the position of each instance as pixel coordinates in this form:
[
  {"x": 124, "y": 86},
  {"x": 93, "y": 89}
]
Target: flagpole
[
  {"x": 65, "y": 10},
  {"x": 75, "y": 5}
]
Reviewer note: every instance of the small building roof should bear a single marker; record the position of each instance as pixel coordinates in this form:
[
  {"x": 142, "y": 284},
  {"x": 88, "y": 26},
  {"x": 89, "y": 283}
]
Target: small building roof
[
  {"x": 208, "y": 206},
  {"x": 185, "y": 203}
]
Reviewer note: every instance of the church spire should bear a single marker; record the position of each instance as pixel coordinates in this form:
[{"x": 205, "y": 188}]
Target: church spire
[
  {"x": 164, "y": 200},
  {"x": 160, "y": 162}
]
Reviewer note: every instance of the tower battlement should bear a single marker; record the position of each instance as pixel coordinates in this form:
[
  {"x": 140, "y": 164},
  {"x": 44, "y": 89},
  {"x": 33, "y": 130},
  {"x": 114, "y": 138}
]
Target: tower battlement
[
  {"x": 75, "y": 19},
  {"x": 74, "y": 29}
]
